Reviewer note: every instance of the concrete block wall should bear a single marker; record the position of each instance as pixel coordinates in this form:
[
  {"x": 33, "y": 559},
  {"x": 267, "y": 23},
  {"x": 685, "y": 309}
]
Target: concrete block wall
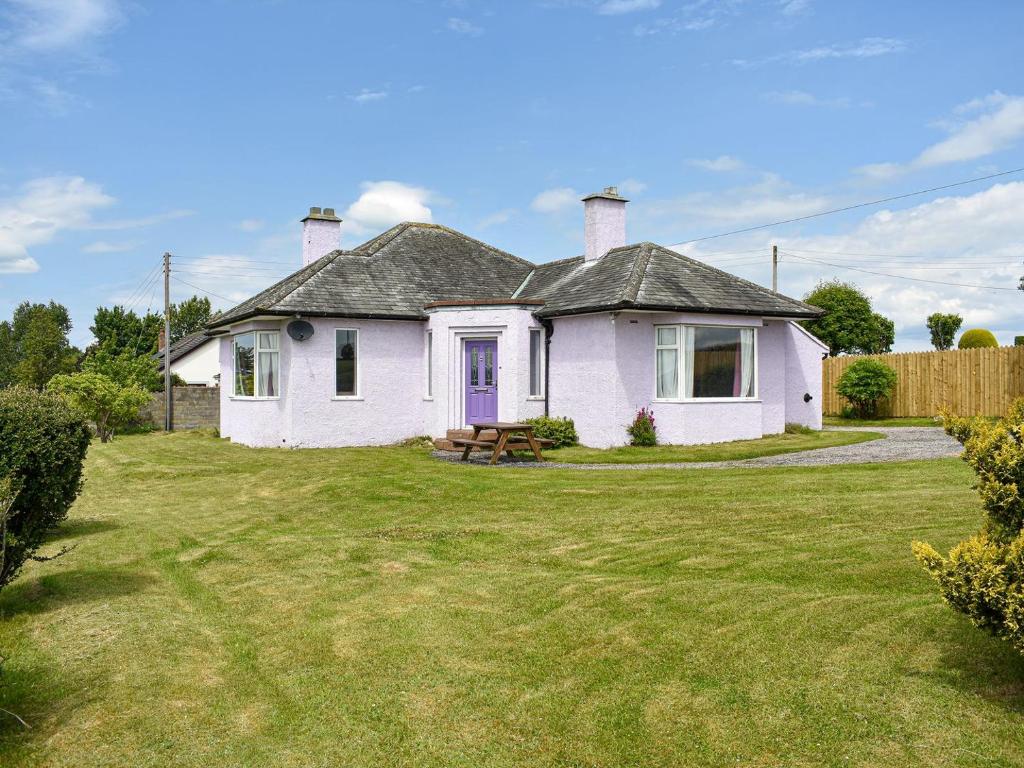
[{"x": 194, "y": 408}]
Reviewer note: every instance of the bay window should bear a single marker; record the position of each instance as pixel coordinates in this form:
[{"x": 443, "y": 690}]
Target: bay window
[
  {"x": 257, "y": 364},
  {"x": 704, "y": 361}
]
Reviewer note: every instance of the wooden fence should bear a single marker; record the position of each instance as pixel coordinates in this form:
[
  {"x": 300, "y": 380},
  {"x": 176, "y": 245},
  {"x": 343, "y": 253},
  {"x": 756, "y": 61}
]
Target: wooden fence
[{"x": 970, "y": 382}]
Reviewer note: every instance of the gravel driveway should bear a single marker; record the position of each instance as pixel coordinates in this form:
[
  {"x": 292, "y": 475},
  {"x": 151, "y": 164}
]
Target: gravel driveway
[{"x": 899, "y": 444}]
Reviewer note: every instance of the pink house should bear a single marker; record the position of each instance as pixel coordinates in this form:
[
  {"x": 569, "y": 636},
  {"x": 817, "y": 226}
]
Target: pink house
[{"x": 422, "y": 330}]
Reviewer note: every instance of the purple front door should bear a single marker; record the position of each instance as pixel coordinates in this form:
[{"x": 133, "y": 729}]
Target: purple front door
[{"x": 481, "y": 381}]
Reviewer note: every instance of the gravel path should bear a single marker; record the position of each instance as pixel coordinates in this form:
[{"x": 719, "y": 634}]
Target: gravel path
[{"x": 899, "y": 444}]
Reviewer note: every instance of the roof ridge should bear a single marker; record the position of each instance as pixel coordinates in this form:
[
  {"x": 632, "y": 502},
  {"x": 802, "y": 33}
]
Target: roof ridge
[
  {"x": 637, "y": 274},
  {"x": 559, "y": 261},
  {"x": 517, "y": 291},
  {"x": 378, "y": 243},
  {"x": 730, "y": 275},
  {"x": 393, "y": 233}
]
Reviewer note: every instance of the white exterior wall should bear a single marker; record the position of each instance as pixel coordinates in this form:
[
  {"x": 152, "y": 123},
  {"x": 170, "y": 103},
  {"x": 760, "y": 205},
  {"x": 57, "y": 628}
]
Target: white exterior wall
[
  {"x": 200, "y": 366},
  {"x": 603, "y": 372}
]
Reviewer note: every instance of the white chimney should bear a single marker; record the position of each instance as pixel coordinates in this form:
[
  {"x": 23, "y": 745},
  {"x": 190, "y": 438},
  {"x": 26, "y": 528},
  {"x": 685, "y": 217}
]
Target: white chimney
[
  {"x": 321, "y": 234},
  {"x": 604, "y": 222}
]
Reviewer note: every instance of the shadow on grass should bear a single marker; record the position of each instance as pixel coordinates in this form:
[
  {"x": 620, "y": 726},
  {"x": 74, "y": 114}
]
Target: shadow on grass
[
  {"x": 56, "y": 590},
  {"x": 974, "y": 661},
  {"x": 75, "y": 528}
]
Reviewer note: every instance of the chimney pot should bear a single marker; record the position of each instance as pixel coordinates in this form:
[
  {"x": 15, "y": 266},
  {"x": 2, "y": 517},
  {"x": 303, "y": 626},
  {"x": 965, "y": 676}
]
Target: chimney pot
[
  {"x": 314, "y": 210},
  {"x": 328, "y": 211},
  {"x": 611, "y": 190}
]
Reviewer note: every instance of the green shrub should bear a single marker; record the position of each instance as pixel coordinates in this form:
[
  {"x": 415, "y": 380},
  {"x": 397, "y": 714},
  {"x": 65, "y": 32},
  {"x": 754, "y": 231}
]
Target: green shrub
[
  {"x": 865, "y": 384},
  {"x": 983, "y": 577},
  {"x": 976, "y": 338},
  {"x": 561, "y": 430},
  {"x": 42, "y": 446},
  {"x": 1018, "y": 341},
  {"x": 642, "y": 431},
  {"x": 105, "y": 402}
]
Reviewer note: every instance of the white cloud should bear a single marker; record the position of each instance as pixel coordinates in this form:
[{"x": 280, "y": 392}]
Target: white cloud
[
  {"x": 367, "y": 95},
  {"x": 720, "y": 164},
  {"x": 251, "y": 225},
  {"x": 103, "y": 246},
  {"x": 631, "y": 187},
  {"x": 57, "y": 25},
  {"x": 803, "y": 98},
  {"x": 555, "y": 200},
  {"x": 618, "y": 7},
  {"x": 141, "y": 221},
  {"x": 497, "y": 218},
  {"x": 794, "y": 7},
  {"x": 45, "y": 207},
  {"x": 464, "y": 27},
  {"x": 999, "y": 126},
  {"x": 383, "y": 204},
  {"x": 691, "y": 17},
  {"x": 865, "y": 48}
]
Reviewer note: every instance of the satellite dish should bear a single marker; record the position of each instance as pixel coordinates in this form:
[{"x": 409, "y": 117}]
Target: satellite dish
[{"x": 300, "y": 330}]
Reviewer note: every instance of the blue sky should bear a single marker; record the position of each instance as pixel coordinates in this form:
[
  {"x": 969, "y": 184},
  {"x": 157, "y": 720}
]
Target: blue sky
[{"x": 208, "y": 128}]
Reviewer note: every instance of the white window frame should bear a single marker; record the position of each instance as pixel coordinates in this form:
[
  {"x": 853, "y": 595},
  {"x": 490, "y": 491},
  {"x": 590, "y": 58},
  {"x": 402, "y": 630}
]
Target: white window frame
[
  {"x": 256, "y": 349},
  {"x": 541, "y": 393},
  {"x": 685, "y": 371},
  {"x": 358, "y": 395},
  {"x": 428, "y": 365}
]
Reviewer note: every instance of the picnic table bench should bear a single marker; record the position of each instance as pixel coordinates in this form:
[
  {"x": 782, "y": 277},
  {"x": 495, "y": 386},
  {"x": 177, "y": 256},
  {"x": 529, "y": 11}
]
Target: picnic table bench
[{"x": 510, "y": 436}]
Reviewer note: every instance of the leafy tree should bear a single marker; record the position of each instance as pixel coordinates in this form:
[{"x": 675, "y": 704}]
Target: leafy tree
[
  {"x": 983, "y": 576},
  {"x": 190, "y": 316},
  {"x": 117, "y": 330},
  {"x": 101, "y": 399},
  {"x": 42, "y": 447},
  {"x": 849, "y": 325},
  {"x": 943, "y": 329},
  {"x": 37, "y": 344},
  {"x": 125, "y": 369},
  {"x": 865, "y": 384},
  {"x": 977, "y": 338},
  {"x": 7, "y": 354}
]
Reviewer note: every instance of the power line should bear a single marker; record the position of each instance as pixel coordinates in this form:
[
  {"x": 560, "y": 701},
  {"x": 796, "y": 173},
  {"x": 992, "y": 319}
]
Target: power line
[
  {"x": 865, "y": 255},
  {"x": 203, "y": 290},
  {"x": 903, "y": 277},
  {"x": 851, "y": 207}
]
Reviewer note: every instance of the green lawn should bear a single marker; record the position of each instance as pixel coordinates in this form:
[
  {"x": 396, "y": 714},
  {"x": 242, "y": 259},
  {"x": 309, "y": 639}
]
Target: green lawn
[
  {"x": 739, "y": 449},
  {"x": 234, "y": 607},
  {"x": 905, "y": 421}
]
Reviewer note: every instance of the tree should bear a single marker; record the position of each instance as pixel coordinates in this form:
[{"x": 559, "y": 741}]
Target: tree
[
  {"x": 126, "y": 369},
  {"x": 101, "y": 399},
  {"x": 983, "y": 576},
  {"x": 7, "y": 355},
  {"x": 977, "y": 338},
  {"x": 190, "y": 316},
  {"x": 38, "y": 344},
  {"x": 849, "y": 324},
  {"x": 117, "y": 330},
  {"x": 943, "y": 329},
  {"x": 865, "y": 384}
]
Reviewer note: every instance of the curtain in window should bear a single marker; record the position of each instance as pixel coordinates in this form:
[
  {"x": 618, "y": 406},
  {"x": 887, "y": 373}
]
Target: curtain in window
[
  {"x": 269, "y": 365},
  {"x": 747, "y": 362},
  {"x": 688, "y": 361},
  {"x": 667, "y": 357}
]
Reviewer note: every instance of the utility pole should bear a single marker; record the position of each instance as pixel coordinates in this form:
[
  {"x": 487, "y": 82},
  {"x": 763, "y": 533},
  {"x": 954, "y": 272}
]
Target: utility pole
[
  {"x": 168, "y": 393},
  {"x": 775, "y": 268}
]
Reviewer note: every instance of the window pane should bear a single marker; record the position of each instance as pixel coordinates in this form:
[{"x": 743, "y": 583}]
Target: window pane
[
  {"x": 267, "y": 368},
  {"x": 488, "y": 366},
  {"x": 430, "y": 364},
  {"x": 244, "y": 368},
  {"x": 346, "y": 351},
  {"x": 668, "y": 373},
  {"x": 718, "y": 363},
  {"x": 474, "y": 366},
  {"x": 667, "y": 337},
  {"x": 535, "y": 363}
]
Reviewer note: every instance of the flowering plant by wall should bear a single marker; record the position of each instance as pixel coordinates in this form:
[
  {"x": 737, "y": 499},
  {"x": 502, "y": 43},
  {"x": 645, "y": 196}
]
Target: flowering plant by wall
[{"x": 643, "y": 431}]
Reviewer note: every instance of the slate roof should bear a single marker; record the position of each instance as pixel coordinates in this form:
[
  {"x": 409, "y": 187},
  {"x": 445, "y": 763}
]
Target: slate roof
[
  {"x": 396, "y": 274},
  {"x": 183, "y": 346}
]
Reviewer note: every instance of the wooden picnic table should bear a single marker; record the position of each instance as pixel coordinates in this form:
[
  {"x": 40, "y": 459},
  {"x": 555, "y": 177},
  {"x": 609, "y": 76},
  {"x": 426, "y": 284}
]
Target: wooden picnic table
[{"x": 510, "y": 435}]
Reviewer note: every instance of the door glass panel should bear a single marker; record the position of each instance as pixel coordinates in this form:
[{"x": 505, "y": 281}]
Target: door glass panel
[
  {"x": 489, "y": 366},
  {"x": 474, "y": 368}
]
